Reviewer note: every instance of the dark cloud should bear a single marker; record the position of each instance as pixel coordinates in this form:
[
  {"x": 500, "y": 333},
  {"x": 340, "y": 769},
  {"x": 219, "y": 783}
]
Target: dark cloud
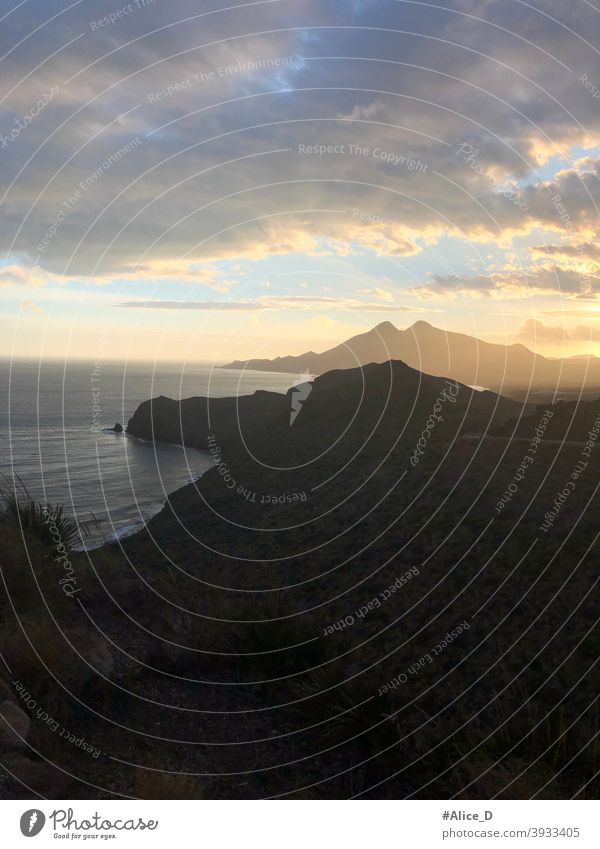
[
  {"x": 551, "y": 280},
  {"x": 582, "y": 250},
  {"x": 220, "y": 102}
]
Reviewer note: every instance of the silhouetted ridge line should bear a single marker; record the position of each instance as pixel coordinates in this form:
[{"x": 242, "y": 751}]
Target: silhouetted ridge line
[{"x": 441, "y": 353}]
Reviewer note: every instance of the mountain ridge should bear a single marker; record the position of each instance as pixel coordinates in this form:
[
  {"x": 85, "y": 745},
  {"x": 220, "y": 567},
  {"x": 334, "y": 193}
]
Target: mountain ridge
[{"x": 440, "y": 353}]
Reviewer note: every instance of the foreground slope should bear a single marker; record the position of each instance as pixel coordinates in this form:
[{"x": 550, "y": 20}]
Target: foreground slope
[{"x": 338, "y": 608}]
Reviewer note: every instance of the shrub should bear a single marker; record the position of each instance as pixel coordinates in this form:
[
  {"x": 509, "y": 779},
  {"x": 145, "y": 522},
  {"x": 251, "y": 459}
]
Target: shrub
[{"x": 47, "y": 523}]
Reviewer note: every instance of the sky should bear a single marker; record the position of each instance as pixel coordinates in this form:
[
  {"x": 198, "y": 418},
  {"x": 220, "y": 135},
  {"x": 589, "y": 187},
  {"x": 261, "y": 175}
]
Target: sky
[{"x": 194, "y": 181}]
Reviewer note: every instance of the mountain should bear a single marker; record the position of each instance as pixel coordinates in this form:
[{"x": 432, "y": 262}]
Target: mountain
[{"x": 442, "y": 353}]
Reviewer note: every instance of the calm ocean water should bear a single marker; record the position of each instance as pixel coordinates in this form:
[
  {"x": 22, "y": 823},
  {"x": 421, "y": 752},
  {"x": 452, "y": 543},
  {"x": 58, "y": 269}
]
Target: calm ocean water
[{"x": 47, "y": 436}]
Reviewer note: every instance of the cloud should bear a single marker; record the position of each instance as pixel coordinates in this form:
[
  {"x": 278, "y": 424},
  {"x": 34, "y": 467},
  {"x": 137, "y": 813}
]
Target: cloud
[
  {"x": 218, "y": 173},
  {"x": 540, "y": 280},
  {"x": 383, "y": 294},
  {"x": 269, "y": 303},
  {"x": 17, "y": 274},
  {"x": 181, "y": 271},
  {"x": 173, "y": 271},
  {"x": 31, "y": 306},
  {"x": 534, "y": 330},
  {"x": 192, "y": 305},
  {"x": 584, "y": 249}
]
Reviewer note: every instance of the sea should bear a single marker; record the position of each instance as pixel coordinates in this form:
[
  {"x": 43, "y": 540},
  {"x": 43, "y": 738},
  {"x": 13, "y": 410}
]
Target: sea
[{"x": 56, "y": 437}]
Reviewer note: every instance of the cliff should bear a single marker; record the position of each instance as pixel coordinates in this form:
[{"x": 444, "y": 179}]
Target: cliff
[{"x": 190, "y": 421}]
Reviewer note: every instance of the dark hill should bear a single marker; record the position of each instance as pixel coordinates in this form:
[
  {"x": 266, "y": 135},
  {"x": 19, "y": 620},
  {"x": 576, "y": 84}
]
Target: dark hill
[
  {"x": 567, "y": 420},
  {"x": 342, "y": 408}
]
